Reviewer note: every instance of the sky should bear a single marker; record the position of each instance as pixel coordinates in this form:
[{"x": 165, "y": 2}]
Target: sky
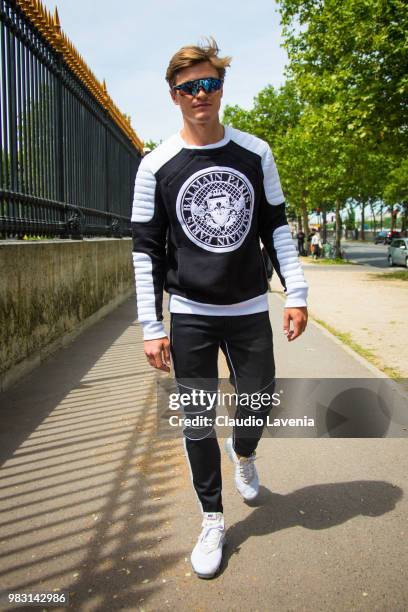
[{"x": 130, "y": 47}]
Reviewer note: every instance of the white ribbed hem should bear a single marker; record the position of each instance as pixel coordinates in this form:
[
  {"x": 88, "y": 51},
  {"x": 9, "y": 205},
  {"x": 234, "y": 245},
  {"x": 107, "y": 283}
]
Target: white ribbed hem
[
  {"x": 181, "y": 305},
  {"x": 152, "y": 330}
]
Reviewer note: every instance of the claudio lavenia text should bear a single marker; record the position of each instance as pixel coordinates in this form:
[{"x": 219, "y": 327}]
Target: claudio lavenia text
[{"x": 226, "y": 421}]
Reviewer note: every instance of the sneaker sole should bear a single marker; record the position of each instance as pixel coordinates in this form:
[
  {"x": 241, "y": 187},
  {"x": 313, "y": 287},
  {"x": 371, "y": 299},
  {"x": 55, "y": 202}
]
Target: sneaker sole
[{"x": 209, "y": 576}]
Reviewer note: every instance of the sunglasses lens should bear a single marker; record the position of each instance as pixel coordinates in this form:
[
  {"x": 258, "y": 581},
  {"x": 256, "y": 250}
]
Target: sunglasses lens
[
  {"x": 210, "y": 85},
  {"x": 188, "y": 88},
  {"x": 193, "y": 87}
]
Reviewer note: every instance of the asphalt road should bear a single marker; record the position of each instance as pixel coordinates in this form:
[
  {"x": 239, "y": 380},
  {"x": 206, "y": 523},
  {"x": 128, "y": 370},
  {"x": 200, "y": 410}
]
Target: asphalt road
[
  {"x": 371, "y": 254},
  {"x": 368, "y": 253}
]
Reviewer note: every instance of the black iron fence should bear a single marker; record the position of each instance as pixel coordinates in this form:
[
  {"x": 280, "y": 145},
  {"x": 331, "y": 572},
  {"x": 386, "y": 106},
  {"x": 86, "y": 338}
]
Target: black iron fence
[{"x": 68, "y": 157}]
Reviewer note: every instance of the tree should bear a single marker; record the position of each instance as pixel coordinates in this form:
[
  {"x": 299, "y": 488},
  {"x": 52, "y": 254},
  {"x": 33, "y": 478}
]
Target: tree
[
  {"x": 353, "y": 53},
  {"x": 396, "y": 190},
  {"x": 274, "y": 117}
]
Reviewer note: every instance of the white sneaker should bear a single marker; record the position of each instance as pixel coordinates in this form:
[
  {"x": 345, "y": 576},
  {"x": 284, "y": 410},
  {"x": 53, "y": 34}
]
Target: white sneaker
[
  {"x": 207, "y": 553},
  {"x": 246, "y": 476}
]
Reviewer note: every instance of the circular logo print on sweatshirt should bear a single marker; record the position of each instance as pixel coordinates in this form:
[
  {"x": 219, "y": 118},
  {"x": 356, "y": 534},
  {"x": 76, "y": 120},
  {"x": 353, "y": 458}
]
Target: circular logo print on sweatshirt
[{"x": 214, "y": 207}]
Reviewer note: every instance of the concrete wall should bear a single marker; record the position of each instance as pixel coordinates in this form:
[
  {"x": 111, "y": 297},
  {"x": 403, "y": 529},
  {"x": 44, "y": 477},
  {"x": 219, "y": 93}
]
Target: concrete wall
[{"x": 51, "y": 290}]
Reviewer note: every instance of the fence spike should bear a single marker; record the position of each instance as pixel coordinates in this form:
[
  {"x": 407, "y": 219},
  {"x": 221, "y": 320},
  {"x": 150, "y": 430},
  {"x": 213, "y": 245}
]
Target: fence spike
[{"x": 57, "y": 24}]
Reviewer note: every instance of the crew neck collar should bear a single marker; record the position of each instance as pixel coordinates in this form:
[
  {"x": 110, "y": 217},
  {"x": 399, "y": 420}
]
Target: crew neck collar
[{"x": 213, "y": 145}]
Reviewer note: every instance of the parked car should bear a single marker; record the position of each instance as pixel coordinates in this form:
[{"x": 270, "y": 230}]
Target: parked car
[
  {"x": 398, "y": 252},
  {"x": 386, "y": 237},
  {"x": 391, "y": 236},
  {"x": 380, "y": 237}
]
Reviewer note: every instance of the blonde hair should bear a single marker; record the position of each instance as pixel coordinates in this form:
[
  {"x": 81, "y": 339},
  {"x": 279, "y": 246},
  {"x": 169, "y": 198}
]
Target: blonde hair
[{"x": 194, "y": 54}]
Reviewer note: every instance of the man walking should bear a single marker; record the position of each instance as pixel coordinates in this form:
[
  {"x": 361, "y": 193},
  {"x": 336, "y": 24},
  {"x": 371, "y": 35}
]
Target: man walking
[{"x": 203, "y": 201}]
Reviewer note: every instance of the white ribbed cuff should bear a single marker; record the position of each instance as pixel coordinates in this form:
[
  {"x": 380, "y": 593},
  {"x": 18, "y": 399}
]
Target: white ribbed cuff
[
  {"x": 152, "y": 330},
  {"x": 297, "y": 298}
]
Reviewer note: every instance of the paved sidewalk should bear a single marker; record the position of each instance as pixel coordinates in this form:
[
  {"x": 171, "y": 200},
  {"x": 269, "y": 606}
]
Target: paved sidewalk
[{"x": 93, "y": 502}]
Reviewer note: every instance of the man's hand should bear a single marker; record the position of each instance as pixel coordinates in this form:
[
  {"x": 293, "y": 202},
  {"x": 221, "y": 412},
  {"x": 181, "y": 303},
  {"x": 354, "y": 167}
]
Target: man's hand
[
  {"x": 298, "y": 316},
  {"x": 158, "y": 353}
]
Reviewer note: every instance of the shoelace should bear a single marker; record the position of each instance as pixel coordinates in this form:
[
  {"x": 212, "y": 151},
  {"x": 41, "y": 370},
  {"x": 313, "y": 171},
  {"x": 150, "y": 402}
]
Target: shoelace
[
  {"x": 247, "y": 468},
  {"x": 210, "y": 537}
]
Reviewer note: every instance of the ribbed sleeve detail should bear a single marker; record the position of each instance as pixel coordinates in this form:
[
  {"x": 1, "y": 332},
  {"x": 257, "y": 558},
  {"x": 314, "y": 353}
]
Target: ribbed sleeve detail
[
  {"x": 272, "y": 184},
  {"x": 152, "y": 330},
  {"x": 145, "y": 296},
  {"x": 143, "y": 198},
  {"x": 149, "y": 226},
  {"x": 290, "y": 267}
]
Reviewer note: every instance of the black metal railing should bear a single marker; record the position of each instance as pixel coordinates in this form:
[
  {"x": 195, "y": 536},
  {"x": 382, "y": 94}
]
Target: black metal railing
[{"x": 67, "y": 168}]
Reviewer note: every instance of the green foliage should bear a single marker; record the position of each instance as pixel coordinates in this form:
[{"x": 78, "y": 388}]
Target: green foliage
[
  {"x": 396, "y": 189},
  {"x": 351, "y": 218},
  {"x": 274, "y": 112},
  {"x": 352, "y": 54},
  {"x": 150, "y": 144},
  {"x": 338, "y": 128}
]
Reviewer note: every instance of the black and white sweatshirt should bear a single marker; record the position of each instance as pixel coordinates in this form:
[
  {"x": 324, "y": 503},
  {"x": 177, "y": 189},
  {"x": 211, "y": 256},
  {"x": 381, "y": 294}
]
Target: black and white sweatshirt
[{"x": 198, "y": 216}]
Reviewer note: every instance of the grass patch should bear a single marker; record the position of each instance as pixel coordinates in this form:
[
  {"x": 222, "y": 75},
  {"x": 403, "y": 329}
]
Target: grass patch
[
  {"x": 327, "y": 261},
  {"x": 400, "y": 275},
  {"x": 346, "y": 338}
]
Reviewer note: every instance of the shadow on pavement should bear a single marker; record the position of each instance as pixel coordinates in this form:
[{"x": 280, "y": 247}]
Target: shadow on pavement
[
  {"x": 85, "y": 480},
  {"x": 315, "y": 507}
]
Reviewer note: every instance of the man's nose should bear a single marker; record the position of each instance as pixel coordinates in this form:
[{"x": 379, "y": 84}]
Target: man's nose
[{"x": 201, "y": 92}]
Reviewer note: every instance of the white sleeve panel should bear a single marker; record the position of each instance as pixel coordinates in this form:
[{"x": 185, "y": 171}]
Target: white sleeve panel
[
  {"x": 145, "y": 297},
  {"x": 145, "y": 183},
  {"x": 272, "y": 185},
  {"x": 290, "y": 267},
  {"x": 143, "y": 197}
]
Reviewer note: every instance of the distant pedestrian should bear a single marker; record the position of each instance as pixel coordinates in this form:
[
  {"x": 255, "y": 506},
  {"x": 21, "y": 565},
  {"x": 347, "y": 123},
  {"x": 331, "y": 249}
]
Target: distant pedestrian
[
  {"x": 309, "y": 242},
  {"x": 301, "y": 242},
  {"x": 316, "y": 244}
]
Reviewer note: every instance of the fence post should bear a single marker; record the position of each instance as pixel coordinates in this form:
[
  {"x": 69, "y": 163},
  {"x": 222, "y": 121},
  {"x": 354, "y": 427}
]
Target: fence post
[
  {"x": 59, "y": 123},
  {"x": 60, "y": 143}
]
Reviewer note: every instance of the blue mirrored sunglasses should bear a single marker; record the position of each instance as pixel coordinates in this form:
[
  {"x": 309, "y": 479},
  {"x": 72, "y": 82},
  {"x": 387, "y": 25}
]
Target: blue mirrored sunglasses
[{"x": 193, "y": 87}]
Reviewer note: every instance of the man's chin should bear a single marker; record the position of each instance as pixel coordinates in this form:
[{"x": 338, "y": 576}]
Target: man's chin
[
  {"x": 205, "y": 117},
  {"x": 204, "y": 112}
]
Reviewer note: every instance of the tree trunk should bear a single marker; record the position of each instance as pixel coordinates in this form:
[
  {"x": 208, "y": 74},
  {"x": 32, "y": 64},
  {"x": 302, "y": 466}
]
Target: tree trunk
[
  {"x": 299, "y": 222},
  {"x": 374, "y": 219},
  {"x": 338, "y": 229},
  {"x": 305, "y": 216},
  {"x": 381, "y": 217},
  {"x": 324, "y": 232},
  {"x": 392, "y": 217},
  {"x": 362, "y": 222},
  {"x": 404, "y": 219}
]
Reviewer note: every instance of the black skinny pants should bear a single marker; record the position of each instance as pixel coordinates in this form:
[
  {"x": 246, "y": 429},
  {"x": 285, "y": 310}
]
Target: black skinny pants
[{"x": 247, "y": 344}]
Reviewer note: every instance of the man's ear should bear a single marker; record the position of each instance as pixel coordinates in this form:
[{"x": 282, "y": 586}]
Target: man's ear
[{"x": 174, "y": 97}]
